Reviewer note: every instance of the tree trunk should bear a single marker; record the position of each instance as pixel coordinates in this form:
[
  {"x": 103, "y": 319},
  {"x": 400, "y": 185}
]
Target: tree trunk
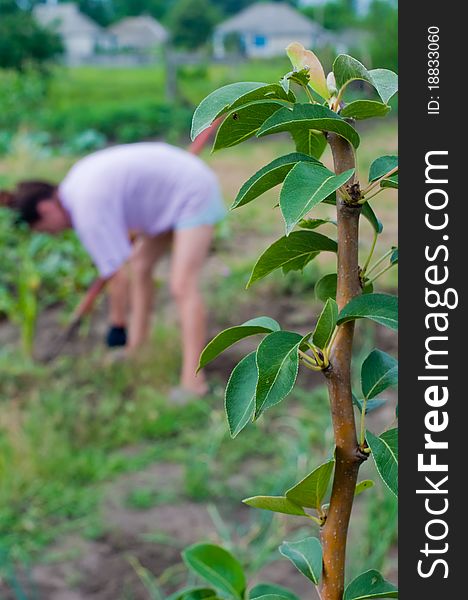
[{"x": 348, "y": 456}]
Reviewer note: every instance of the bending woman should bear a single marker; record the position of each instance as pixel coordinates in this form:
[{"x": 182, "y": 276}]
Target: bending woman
[{"x": 159, "y": 193}]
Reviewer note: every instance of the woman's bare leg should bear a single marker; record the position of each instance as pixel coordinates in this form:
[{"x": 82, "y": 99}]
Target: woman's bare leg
[
  {"x": 191, "y": 248},
  {"x": 147, "y": 251},
  {"x": 117, "y": 291}
]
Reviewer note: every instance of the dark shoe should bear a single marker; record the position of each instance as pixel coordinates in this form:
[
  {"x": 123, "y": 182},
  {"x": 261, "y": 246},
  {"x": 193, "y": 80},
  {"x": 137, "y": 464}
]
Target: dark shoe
[{"x": 116, "y": 337}]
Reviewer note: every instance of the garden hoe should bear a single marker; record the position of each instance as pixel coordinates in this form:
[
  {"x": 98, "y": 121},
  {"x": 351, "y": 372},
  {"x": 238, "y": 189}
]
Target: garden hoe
[{"x": 84, "y": 308}]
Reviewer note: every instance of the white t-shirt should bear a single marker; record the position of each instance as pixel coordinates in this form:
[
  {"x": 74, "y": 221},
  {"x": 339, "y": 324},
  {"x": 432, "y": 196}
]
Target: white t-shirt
[{"x": 148, "y": 188}]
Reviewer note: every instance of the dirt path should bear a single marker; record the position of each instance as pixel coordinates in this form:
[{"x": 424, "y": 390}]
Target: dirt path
[{"x": 106, "y": 568}]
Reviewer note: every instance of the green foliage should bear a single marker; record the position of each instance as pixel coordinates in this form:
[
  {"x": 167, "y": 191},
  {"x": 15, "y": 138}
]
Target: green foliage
[
  {"x": 23, "y": 42},
  {"x": 191, "y": 22},
  {"x": 364, "y": 485},
  {"x": 325, "y": 287},
  {"x": 232, "y": 96},
  {"x": 270, "y": 176},
  {"x": 379, "y": 371},
  {"x": 370, "y": 584},
  {"x": 278, "y": 364},
  {"x": 306, "y": 61},
  {"x": 347, "y": 69},
  {"x": 244, "y": 123},
  {"x": 382, "y": 23},
  {"x": 308, "y": 116},
  {"x": 381, "y": 167},
  {"x": 385, "y": 454},
  {"x": 326, "y": 324},
  {"x": 240, "y": 394},
  {"x": 334, "y": 15},
  {"x": 230, "y": 336},
  {"x": 296, "y": 249},
  {"x": 306, "y": 556},
  {"x": 305, "y": 186},
  {"x": 49, "y": 271},
  {"x": 218, "y": 567},
  {"x": 278, "y": 504},
  {"x": 310, "y": 491},
  {"x": 381, "y": 308},
  {"x": 261, "y": 589},
  {"x": 364, "y": 109}
]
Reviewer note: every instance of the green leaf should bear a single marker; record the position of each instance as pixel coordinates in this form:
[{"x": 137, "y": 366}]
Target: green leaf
[
  {"x": 362, "y": 486},
  {"x": 304, "y": 244},
  {"x": 325, "y": 287},
  {"x": 299, "y": 77},
  {"x": 309, "y": 116},
  {"x": 314, "y": 223},
  {"x": 230, "y": 336},
  {"x": 385, "y": 454},
  {"x": 364, "y": 109},
  {"x": 390, "y": 182},
  {"x": 394, "y": 257},
  {"x": 385, "y": 82},
  {"x": 309, "y": 141},
  {"x": 270, "y": 176},
  {"x": 305, "y": 186},
  {"x": 370, "y": 584},
  {"x": 195, "y": 594},
  {"x": 274, "y": 597},
  {"x": 278, "y": 363},
  {"x": 239, "y": 399},
  {"x": 326, "y": 324},
  {"x": 379, "y": 371},
  {"x": 311, "y": 490},
  {"x": 381, "y": 166},
  {"x": 369, "y": 214},
  {"x": 230, "y": 96},
  {"x": 381, "y": 308},
  {"x": 262, "y": 589},
  {"x": 243, "y": 123},
  {"x": 347, "y": 69},
  {"x": 301, "y": 58},
  {"x": 299, "y": 263},
  {"x": 370, "y": 404},
  {"x": 217, "y": 566},
  {"x": 278, "y": 504},
  {"x": 306, "y": 556}
]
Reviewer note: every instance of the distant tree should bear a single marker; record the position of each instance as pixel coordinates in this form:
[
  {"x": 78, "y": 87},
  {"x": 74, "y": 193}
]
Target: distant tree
[
  {"x": 230, "y": 7},
  {"x": 334, "y": 15},
  {"x": 99, "y": 10},
  {"x": 191, "y": 22},
  {"x": 156, "y": 8},
  {"x": 23, "y": 42},
  {"x": 382, "y": 22}
]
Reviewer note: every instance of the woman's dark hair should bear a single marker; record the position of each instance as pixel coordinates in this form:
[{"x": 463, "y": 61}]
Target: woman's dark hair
[{"x": 25, "y": 198}]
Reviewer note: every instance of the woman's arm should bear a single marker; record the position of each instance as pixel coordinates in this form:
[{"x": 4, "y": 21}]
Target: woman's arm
[{"x": 201, "y": 140}]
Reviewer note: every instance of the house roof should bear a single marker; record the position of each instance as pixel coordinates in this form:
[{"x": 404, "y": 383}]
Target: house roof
[
  {"x": 66, "y": 19},
  {"x": 142, "y": 31},
  {"x": 269, "y": 18}
]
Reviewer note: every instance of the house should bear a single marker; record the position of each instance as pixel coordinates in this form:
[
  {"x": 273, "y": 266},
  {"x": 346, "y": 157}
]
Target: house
[
  {"x": 265, "y": 29},
  {"x": 81, "y": 36},
  {"x": 138, "y": 34}
]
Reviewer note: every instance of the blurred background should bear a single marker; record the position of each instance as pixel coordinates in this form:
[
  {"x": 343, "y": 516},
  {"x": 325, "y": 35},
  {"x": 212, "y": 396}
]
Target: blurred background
[{"x": 102, "y": 481}]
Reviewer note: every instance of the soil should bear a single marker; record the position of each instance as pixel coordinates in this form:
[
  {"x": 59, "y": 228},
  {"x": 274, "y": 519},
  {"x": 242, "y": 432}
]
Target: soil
[{"x": 108, "y": 568}]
